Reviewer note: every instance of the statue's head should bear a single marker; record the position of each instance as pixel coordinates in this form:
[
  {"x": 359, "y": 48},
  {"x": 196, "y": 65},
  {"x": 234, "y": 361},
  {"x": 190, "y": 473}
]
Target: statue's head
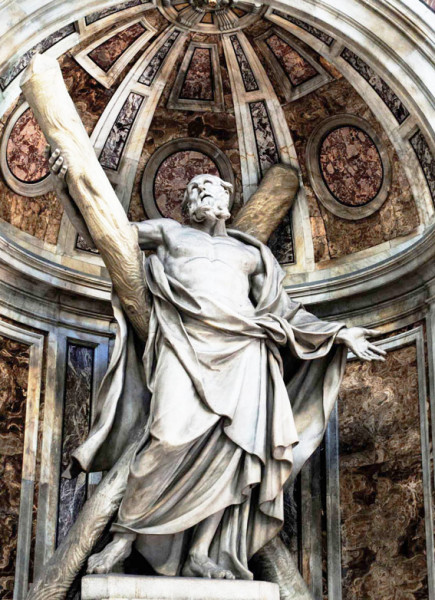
[{"x": 207, "y": 198}]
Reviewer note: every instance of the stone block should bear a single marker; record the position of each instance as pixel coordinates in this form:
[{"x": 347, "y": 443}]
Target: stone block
[{"x": 129, "y": 587}]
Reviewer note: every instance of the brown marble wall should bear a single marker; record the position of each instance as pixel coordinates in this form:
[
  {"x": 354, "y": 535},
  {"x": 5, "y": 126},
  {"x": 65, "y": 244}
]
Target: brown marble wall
[
  {"x": 383, "y": 535},
  {"x": 14, "y": 366},
  {"x": 335, "y": 237},
  {"x": 168, "y": 125}
]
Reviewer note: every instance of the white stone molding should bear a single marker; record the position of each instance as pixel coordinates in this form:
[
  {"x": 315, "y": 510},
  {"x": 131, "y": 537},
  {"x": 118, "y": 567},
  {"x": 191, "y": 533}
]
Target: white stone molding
[
  {"x": 19, "y": 187},
  {"x": 132, "y": 12},
  {"x": 250, "y": 167},
  {"x": 123, "y": 177},
  {"x": 217, "y": 104},
  {"x": 318, "y": 184},
  {"x": 48, "y": 499},
  {"x": 25, "y": 519},
  {"x": 107, "y": 78},
  {"x": 13, "y": 90},
  {"x": 290, "y": 91}
]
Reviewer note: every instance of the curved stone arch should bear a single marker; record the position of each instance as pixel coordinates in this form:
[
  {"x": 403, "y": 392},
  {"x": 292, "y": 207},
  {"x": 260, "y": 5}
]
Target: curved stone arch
[{"x": 403, "y": 58}]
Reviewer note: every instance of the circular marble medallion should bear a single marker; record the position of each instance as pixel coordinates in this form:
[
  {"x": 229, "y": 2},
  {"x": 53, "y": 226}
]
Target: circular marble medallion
[
  {"x": 348, "y": 166},
  {"x": 351, "y": 166},
  {"x": 25, "y": 150}
]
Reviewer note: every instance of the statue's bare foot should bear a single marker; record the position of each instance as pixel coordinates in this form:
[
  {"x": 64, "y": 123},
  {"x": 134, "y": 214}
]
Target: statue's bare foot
[
  {"x": 200, "y": 565},
  {"x": 113, "y": 553}
]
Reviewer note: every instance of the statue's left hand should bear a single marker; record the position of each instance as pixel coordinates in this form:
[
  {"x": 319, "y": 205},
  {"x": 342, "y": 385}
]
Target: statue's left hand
[{"x": 355, "y": 338}]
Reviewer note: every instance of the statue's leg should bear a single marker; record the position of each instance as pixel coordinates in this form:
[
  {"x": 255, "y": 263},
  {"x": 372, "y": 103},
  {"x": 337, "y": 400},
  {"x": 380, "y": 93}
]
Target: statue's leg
[
  {"x": 198, "y": 563},
  {"x": 118, "y": 549}
]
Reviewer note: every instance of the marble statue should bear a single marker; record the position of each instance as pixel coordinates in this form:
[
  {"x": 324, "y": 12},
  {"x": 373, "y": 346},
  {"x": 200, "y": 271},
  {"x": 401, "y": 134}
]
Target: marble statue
[
  {"x": 230, "y": 394},
  {"x": 225, "y": 432}
]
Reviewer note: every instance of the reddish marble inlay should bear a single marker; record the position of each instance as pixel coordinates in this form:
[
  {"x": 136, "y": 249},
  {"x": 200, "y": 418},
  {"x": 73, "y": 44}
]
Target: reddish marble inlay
[
  {"x": 296, "y": 67},
  {"x": 207, "y": 18},
  {"x": 108, "y": 53},
  {"x": 173, "y": 175},
  {"x": 25, "y": 151},
  {"x": 198, "y": 83},
  {"x": 351, "y": 166}
]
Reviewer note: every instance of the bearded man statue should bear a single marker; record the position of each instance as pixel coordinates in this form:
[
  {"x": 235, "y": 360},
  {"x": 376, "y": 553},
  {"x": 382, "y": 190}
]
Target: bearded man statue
[{"x": 236, "y": 383}]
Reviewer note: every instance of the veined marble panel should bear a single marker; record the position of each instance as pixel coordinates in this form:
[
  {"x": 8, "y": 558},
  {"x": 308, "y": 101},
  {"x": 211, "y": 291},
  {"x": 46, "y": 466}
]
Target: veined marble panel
[
  {"x": 295, "y": 66},
  {"x": 320, "y": 35},
  {"x": 109, "y": 51},
  {"x": 14, "y": 369},
  {"x": 101, "y": 14},
  {"x": 426, "y": 160},
  {"x": 248, "y": 76},
  {"x": 76, "y": 419},
  {"x": 198, "y": 82},
  {"x": 156, "y": 62},
  {"x": 381, "y": 480},
  {"x": 281, "y": 242},
  {"x": 267, "y": 148},
  {"x": 112, "y": 150},
  {"x": 351, "y": 166},
  {"x": 25, "y": 150},
  {"x": 14, "y": 70},
  {"x": 383, "y": 90}
]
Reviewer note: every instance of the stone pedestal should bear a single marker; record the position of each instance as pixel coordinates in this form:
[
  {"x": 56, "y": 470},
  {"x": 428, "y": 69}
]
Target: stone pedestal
[{"x": 136, "y": 587}]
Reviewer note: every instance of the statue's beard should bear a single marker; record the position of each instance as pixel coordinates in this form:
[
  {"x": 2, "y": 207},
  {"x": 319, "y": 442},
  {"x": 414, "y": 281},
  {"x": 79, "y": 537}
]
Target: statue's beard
[{"x": 209, "y": 212}]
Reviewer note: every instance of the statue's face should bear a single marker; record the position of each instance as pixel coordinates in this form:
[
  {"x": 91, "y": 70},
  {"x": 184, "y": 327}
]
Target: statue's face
[{"x": 207, "y": 199}]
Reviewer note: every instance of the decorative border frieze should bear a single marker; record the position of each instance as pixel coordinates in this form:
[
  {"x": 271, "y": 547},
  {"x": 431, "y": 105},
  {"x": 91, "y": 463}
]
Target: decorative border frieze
[
  {"x": 106, "y": 12},
  {"x": 116, "y": 140},
  {"x": 426, "y": 159},
  {"x": 314, "y": 31},
  {"x": 383, "y": 90},
  {"x": 108, "y": 77},
  {"x": 248, "y": 76},
  {"x": 19, "y": 65},
  {"x": 176, "y": 102}
]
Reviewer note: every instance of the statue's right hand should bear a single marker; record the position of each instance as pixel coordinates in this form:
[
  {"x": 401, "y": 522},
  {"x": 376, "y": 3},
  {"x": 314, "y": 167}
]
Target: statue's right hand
[{"x": 58, "y": 169}]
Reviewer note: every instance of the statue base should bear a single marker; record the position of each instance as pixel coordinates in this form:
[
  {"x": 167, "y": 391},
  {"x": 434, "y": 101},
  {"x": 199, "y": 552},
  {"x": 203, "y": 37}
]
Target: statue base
[{"x": 137, "y": 587}]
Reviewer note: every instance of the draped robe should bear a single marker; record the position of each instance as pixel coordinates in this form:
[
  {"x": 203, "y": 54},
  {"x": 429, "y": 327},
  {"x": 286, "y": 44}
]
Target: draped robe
[{"x": 235, "y": 405}]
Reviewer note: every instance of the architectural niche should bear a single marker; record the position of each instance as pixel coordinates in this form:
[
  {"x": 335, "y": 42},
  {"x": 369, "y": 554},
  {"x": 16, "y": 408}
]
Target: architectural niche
[{"x": 348, "y": 166}]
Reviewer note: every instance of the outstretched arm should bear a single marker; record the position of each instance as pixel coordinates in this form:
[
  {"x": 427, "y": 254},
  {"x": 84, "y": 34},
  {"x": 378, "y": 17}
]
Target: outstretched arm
[{"x": 355, "y": 338}]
